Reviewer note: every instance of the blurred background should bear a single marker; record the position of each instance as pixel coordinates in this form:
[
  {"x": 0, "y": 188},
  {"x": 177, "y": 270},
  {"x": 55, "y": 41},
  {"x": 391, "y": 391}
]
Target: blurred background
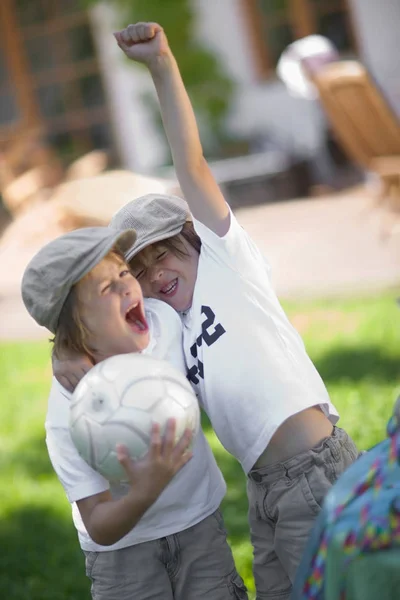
[{"x": 303, "y": 135}]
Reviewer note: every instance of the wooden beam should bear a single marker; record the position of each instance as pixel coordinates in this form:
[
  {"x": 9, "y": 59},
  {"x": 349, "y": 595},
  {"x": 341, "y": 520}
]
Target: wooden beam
[
  {"x": 352, "y": 26},
  {"x": 18, "y": 65},
  {"x": 302, "y": 18},
  {"x": 256, "y": 35}
]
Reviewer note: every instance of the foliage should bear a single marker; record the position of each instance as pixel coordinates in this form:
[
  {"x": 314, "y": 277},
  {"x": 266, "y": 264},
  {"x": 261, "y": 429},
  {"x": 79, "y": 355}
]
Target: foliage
[
  {"x": 209, "y": 86},
  {"x": 355, "y": 346}
]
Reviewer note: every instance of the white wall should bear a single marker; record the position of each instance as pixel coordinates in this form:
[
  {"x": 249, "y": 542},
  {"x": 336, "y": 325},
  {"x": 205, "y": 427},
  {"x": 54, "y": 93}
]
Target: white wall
[
  {"x": 259, "y": 106},
  {"x": 378, "y": 26},
  {"x": 137, "y": 140}
]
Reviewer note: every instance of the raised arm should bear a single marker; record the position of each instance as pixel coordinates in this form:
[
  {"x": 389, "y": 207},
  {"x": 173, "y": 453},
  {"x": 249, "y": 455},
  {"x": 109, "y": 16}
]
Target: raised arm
[{"x": 147, "y": 43}]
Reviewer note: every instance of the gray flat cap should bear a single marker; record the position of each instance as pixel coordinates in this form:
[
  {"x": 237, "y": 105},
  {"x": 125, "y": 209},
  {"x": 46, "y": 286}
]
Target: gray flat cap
[
  {"x": 59, "y": 265},
  {"x": 154, "y": 217}
]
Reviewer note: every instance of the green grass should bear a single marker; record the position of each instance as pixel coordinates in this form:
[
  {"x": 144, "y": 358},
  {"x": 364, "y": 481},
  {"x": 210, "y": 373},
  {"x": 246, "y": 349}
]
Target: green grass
[{"x": 354, "y": 343}]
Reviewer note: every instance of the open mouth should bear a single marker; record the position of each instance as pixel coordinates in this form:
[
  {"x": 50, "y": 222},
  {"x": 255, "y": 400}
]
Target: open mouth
[
  {"x": 135, "y": 318},
  {"x": 170, "y": 288}
]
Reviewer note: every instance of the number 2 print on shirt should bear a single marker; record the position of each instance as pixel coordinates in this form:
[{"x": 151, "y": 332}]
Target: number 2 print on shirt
[{"x": 210, "y": 333}]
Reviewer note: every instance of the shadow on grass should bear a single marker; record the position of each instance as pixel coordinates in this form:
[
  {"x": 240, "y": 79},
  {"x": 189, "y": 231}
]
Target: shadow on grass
[
  {"x": 356, "y": 364},
  {"x": 41, "y": 557},
  {"x": 235, "y": 505},
  {"x": 32, "y": 458}
]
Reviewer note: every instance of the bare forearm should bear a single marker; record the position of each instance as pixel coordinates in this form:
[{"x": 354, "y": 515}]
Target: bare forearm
[
  {"x": 111, "y": 520},
  {"x": 177, "y": 113},
  {"x": 108, "y": 520},
  {"x": 197, "y": 183},
  {"x": 146, "y": 43}
]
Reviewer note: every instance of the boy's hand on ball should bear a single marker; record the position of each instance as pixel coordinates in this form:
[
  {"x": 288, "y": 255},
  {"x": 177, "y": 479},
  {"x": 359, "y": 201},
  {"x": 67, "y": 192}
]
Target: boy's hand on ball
[
  {"x": 143, "y": 42},
  {"x": 69, "y": 372},
  {"x": 165, "y": 458}
]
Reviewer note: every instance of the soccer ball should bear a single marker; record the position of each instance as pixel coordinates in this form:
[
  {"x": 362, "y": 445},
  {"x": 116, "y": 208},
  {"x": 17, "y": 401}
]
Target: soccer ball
[{"x": 117, "y": 402}]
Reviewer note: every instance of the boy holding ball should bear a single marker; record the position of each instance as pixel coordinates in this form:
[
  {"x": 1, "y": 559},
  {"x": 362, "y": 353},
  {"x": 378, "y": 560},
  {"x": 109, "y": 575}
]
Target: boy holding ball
[{"x": 160, "y": 536}]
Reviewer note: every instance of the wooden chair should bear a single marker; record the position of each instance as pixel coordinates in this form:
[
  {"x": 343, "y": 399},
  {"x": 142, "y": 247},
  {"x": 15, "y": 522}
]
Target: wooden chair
[{"x": 363, "y": 122}]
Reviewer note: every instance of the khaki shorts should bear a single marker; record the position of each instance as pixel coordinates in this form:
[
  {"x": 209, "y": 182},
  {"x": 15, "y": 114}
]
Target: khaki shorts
[
  {"x": 194, "y": 564},
  {"x": 284, "y": 501}
]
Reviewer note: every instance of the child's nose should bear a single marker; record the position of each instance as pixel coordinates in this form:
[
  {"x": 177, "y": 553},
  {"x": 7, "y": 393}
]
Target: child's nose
[
  {"x": 125, "y": 288},
  {"x": 156, "y": 273}
]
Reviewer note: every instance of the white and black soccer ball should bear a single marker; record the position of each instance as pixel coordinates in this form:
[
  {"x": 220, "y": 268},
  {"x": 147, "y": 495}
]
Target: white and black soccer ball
[{"x": 118, "y": 401}]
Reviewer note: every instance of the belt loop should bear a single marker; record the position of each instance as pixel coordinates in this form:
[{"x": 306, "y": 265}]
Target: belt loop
[{"x": 334, "y": 446}]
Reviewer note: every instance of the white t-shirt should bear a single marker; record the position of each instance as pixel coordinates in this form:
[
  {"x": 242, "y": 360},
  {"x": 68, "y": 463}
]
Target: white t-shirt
[
  {"x": 245, "y": 360},
  {"x": 193, "y": 494}
]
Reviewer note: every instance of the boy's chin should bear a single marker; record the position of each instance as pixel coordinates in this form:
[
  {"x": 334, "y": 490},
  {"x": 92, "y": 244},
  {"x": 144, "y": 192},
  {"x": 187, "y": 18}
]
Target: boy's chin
[
  {"x": 142, "y": 342},
  {"x": 180, "y": 302},
  {"x": 182, "y": 307}
]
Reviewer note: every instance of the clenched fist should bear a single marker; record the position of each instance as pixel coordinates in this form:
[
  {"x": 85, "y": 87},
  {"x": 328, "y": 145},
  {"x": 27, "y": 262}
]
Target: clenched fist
[{"x": 143, "y": 42}]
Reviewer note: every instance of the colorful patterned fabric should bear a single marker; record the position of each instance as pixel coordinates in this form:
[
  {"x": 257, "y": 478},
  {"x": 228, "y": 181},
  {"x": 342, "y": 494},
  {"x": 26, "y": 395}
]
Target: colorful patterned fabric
[{"x": 361, "y": 515}]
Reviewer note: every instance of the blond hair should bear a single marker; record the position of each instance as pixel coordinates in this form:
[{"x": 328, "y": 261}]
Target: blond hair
[{"x": 72, "y": 336}]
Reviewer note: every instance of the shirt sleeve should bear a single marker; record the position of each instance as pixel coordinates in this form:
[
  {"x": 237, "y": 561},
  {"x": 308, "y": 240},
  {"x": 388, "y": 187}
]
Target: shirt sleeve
[
  {"x": 166, "y": 332},
  {"x": 235, "y": 250},
  {"x": 78, "y": 479}
]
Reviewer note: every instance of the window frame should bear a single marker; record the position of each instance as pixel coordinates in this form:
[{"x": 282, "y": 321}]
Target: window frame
[
  {"x": 303, "y": 19},
  {"x": 78, "y": 119}
]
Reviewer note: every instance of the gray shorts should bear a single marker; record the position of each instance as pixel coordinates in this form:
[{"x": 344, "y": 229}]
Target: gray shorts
[
  {"x": 284, "y": 501},
  {"x": 194, "y": 564}
]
